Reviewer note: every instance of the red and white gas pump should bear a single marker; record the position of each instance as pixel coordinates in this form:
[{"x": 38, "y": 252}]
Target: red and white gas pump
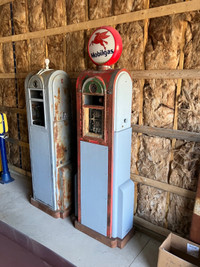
[{"x": 104, "y": 98}]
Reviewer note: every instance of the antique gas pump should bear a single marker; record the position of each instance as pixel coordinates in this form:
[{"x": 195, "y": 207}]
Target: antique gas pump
[
  {"x": 48, "y": 113},
  {"x": 104, "y": 97}
]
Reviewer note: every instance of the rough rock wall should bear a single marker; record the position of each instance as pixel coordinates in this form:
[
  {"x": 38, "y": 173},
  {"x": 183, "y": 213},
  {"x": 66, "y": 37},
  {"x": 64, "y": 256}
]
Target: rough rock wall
[
  {"x": 157, "y": 3},
  {"x": 75, "y": 41},
  {"x": 22, "y": 50},
  {"x": 162, "y": 52},
  {"x": 36, "y": 22},
  {"x": 100, "y": 9},
  {"x": 126, "y": 6},
  {"x": 179, "y": 214},
  {"x": 76, "y": 11},
  {"x": 132, "y": 39},
  {"x": 189, "y": 100},
  {"x": 152, "y": 204},
  {"x": 185, "y": 165},
  {"x": 55, "y": 13},
  {"x": 153, "y": 158},
  {"x": 6, "y": 50},
  {"x": 159, "y": 103}
]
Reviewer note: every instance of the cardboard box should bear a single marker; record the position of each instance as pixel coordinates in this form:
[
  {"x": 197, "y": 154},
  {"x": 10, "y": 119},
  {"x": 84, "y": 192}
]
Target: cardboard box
[{"x": 177, "y": 251}]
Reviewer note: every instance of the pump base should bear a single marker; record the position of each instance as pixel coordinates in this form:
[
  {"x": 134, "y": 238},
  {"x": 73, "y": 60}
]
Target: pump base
[
  {"x": 54, "y": 213},
  {"x": 6, "y": 178},
  {"x": 110, "y": 242}
]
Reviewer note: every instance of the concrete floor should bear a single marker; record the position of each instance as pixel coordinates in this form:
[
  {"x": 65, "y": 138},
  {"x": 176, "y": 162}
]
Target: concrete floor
[{"x": 60, "y": 235}]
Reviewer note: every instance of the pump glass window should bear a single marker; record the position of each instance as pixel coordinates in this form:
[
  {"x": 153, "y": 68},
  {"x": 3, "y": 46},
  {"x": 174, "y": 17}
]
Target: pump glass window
[
  {"x": 37, "y": 107},
  {"x": 38, "y": 113},
  {"x": 93, "y": 100},
  {"x": 95, "y": 121}
]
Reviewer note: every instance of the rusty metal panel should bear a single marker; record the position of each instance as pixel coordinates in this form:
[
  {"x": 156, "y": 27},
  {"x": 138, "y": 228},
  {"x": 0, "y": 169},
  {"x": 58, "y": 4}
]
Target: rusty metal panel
[
  {"x": 61, "y": 99},
  {"x": 62, "y": 135},
  {"x": 65, "y": 174}
]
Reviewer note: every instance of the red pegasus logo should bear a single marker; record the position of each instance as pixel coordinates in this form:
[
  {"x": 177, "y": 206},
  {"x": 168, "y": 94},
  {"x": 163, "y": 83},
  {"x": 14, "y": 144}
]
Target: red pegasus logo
[{"x": 99, "y": 38}]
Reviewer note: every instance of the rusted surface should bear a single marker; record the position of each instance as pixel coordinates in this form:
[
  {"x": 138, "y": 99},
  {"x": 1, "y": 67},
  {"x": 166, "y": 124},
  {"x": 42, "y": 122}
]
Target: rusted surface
[
  {"x": 61, "y": 135},
  {"x": 65, "y": 187},
  {"x": 60, "y": 151},
  {"x": 62, "y": 131},
  {"x": 57, "y": 102},
  {"x": 58, "y": 192}
]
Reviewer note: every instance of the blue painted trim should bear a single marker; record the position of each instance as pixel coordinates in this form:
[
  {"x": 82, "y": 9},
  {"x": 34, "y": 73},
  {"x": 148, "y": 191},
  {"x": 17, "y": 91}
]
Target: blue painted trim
[{"x": 5, "y": 176}]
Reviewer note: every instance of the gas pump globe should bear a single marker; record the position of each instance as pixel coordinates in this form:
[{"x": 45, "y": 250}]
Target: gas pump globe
[{"x": 105, "y": 191}]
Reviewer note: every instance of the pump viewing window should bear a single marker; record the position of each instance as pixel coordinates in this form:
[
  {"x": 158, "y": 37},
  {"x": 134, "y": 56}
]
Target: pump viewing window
[
  {"x": 36, "y": 94},
  {"x": 96, "y": 121},
  {"x": 37, "y": 107},
  {"x": 37, "y": 113},
  {"x": 93, "y": 100}
]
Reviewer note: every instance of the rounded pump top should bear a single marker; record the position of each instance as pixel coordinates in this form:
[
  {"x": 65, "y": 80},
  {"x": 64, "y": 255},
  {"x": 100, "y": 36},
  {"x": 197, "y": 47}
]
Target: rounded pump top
[{"x": 105, "y": 46}]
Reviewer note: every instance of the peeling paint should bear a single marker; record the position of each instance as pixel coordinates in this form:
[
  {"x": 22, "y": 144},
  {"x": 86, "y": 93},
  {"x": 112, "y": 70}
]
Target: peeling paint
[{"x": 66, "y": 189}]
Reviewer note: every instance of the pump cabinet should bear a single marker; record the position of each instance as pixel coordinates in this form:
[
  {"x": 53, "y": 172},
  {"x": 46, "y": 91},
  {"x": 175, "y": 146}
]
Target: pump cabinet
[{"x": 49, "y": 119}]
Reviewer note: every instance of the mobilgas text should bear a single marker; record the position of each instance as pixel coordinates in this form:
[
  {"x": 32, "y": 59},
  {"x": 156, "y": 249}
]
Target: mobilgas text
[{"x": 102, "y": 53}]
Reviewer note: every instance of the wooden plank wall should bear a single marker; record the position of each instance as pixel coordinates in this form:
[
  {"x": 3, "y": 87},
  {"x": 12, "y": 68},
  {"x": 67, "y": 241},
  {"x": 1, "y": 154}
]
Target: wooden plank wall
[{"x": 18, "y": 141}]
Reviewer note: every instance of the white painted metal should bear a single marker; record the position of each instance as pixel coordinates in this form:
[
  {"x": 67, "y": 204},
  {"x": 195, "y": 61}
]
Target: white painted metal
[
  {"x": 123, "y": 101},
  {"x": 122, "y": 214},
  {"x": 94, "y": 186}
]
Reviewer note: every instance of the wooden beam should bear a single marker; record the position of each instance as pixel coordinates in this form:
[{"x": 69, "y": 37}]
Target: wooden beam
[
  {"x": 119, "y": 19},
  {"x": 13, "y": 168},
  {"x": 193, "y": 74},
  {"x": 7, "y": 75},
  {"x": 12, "y": 75},
  {"x": 167, "y": 133},
  {"x": 163, "y": 186},
  {"x": 165, "y": 74},
  {"x": 13, "y": 110},
  {"x": 3, "y": 2},
  {"x": 17, "y": 142},
  {"x": 141, "y": 224}
]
